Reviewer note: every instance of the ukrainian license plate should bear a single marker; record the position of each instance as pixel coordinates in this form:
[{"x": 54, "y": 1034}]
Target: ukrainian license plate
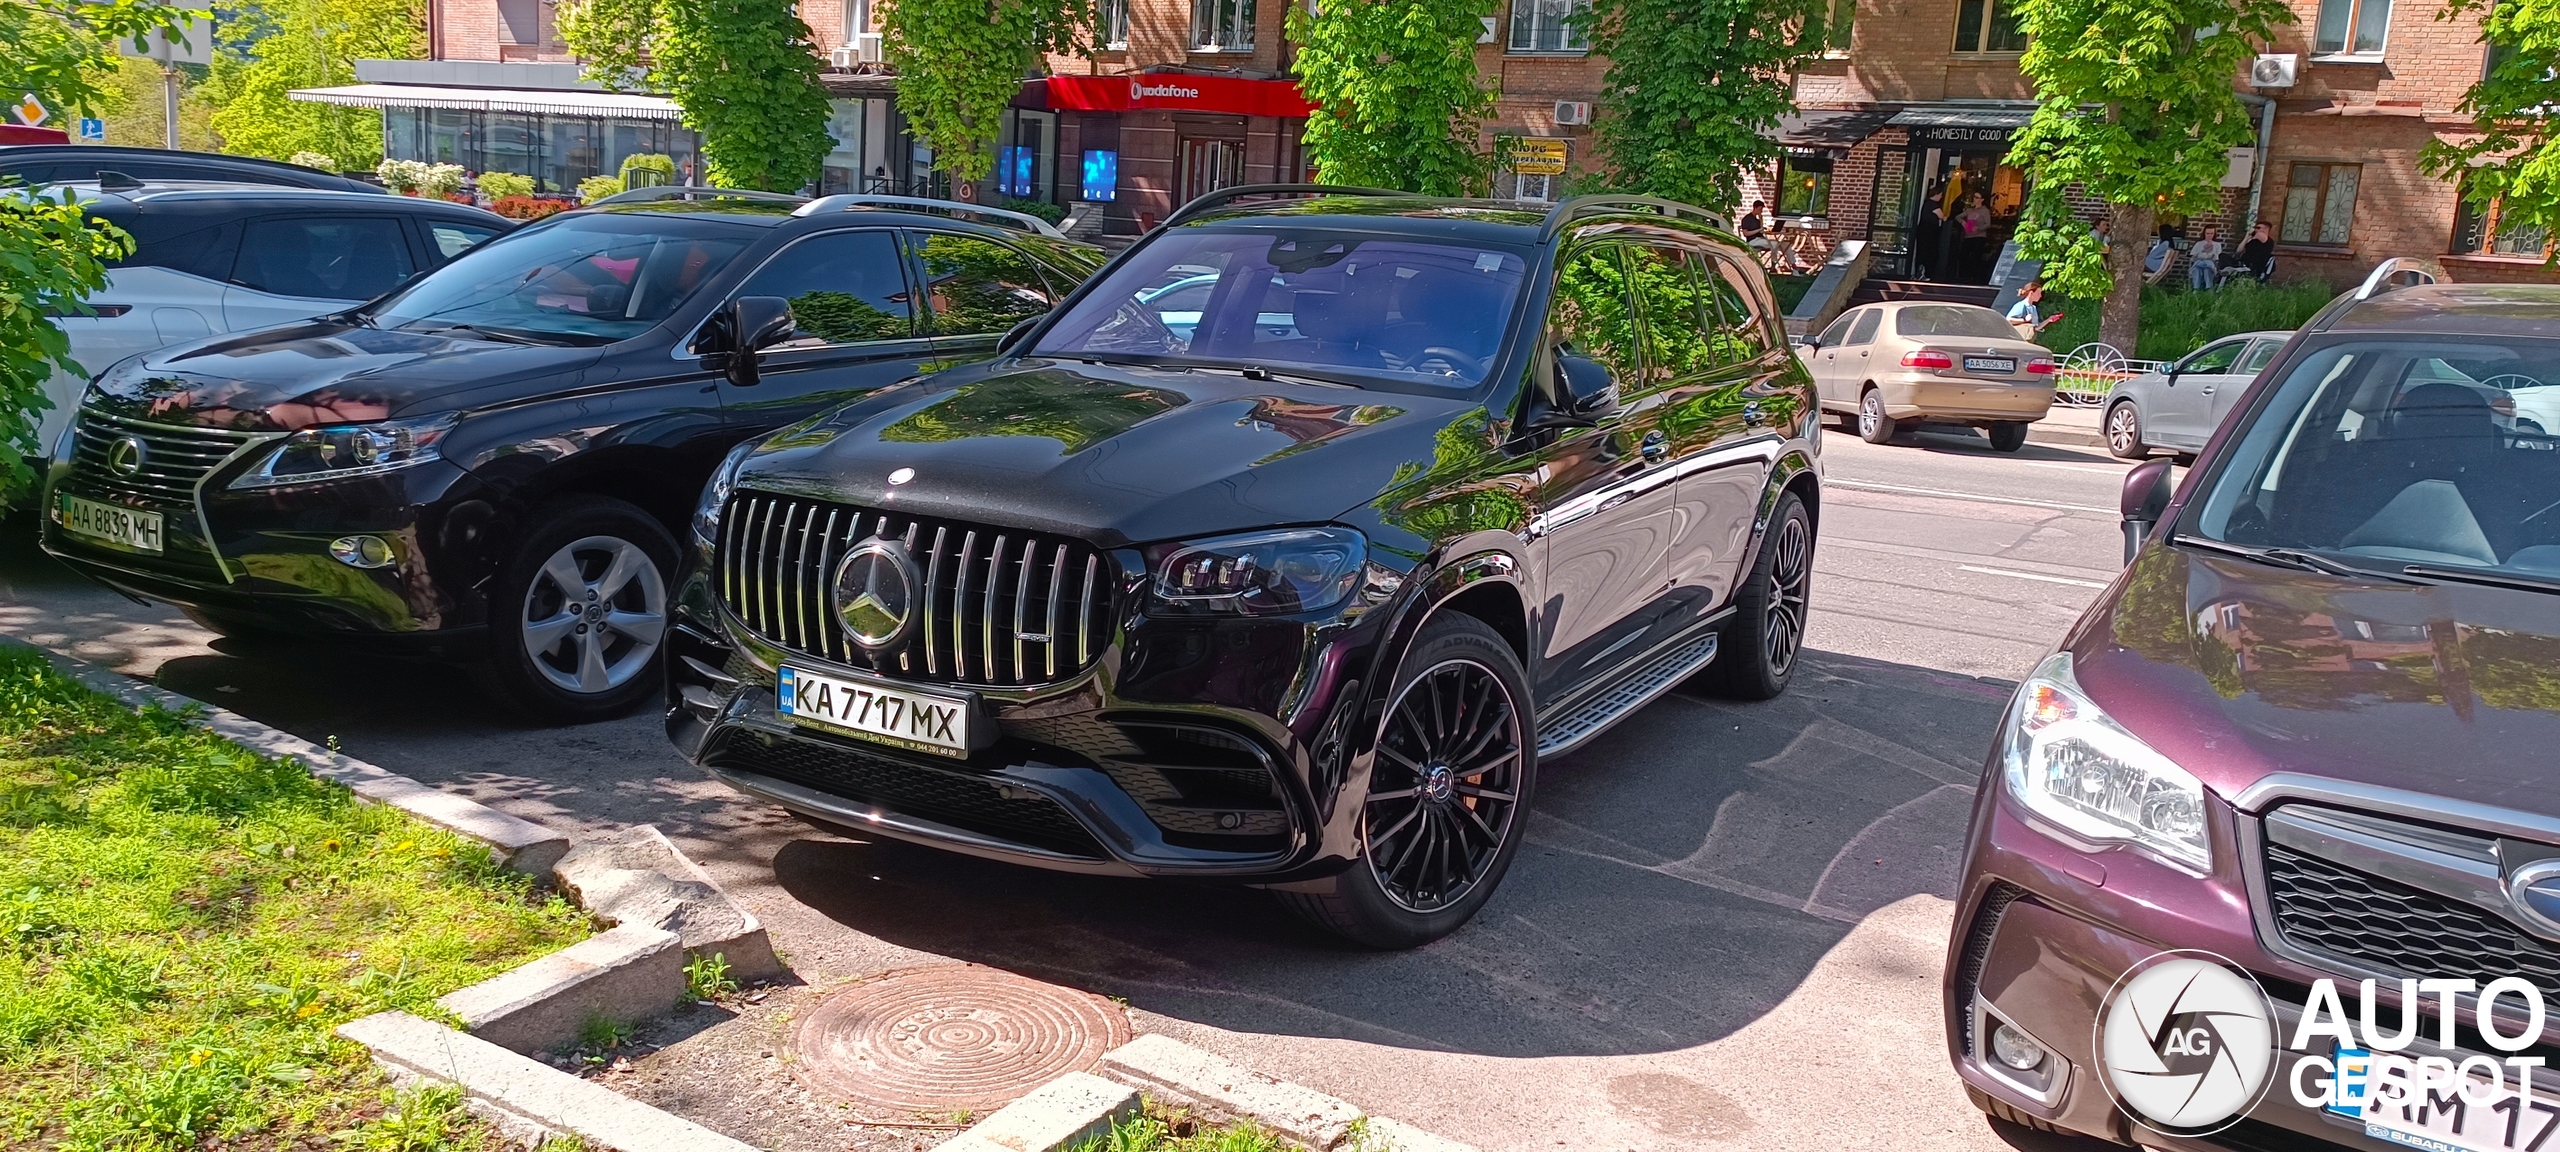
[
  {"x": 2401, "y": 1104},
  {"x": 886, "y": 713},
  {"x": 1990, "y": 364},
  {"x": 112, "y": 523}
]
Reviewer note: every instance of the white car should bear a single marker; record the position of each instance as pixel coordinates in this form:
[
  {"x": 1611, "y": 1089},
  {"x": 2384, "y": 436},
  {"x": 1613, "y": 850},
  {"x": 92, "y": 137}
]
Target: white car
[{"x": 214, "y": 258}]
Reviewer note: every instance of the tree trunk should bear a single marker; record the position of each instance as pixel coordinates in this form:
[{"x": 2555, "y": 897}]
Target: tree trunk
[{"x": 2120, "y": 317}]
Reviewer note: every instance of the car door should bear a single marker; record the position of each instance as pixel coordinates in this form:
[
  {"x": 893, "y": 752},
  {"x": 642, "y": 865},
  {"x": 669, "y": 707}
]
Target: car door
[
  {"x": 1724, "y": 422},
  {"x": 1858, "y": 355},
  {"x": 2183, "y": 414},
  {"x": 1603, "y": 522},
  {"x": 297, "y": 267},
  {"x": 853, "y": 328},
  {"x": 2261, "y": 352},
  {"x": 1824, "y": 358},
  {"x": 976, "y": 290}
]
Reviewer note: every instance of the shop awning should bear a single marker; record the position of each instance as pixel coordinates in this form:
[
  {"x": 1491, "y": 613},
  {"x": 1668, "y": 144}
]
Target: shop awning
[
  {"x": 1828, "y": 129},
  {"x": 621, "y": 105},
  {"x": 1177, "y": 92},
  {"x": 1964, "y": 116}
]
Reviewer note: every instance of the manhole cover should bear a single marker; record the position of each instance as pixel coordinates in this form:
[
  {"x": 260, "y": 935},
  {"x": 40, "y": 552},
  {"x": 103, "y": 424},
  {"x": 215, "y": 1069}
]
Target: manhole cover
[{"x": 952, "y": 1037}]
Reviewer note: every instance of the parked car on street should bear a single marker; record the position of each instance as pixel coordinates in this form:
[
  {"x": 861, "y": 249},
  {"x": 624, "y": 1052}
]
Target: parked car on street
[
  {"x": 2309, "y": 734},
  {"x": 495, "y": 461},
  {"x": 2179, "y": 405},
  {"x": 1891, "y": 367},
  {"x": 212, "y": 258},
  {"x": 1294, "y": 581},
  {"x": 33, "y": 164}
]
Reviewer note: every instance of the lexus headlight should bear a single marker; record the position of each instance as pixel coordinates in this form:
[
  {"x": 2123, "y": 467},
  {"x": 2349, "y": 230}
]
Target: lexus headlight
[
  {"x": 2069, "y": 763},
  {"x": 1258, "y": 573},
  {"x": 715, "y": 495},
  {"x": 349, "y": 450}
]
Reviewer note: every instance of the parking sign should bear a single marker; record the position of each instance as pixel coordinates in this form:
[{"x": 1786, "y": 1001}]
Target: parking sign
[{"x": 92, "y": 128}]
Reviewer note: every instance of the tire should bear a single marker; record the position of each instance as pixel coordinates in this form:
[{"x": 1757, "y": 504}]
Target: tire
[
  {"x": 1757, "y": 654},
  {"x": 1417, "y": 802},
  {"x": 1874, "y": 426},
  {"x": 2008, "y": 435},
  {"x": 544, "y": 660},
  {"x": 2124, "y": 432}
]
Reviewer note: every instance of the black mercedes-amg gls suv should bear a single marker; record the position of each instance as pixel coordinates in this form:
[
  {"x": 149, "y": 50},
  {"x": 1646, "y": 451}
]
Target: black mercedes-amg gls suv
[{"x": 1282, "y": 551}]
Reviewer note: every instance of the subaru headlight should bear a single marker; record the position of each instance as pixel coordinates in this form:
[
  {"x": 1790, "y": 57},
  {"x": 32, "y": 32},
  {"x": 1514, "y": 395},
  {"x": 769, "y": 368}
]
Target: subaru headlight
[
  {"x": 715, "y": 495},
  {"x": 350, "y": 450},
  {"x": 2078, "y": 769},
  {"x": 1278, "y": 573}
]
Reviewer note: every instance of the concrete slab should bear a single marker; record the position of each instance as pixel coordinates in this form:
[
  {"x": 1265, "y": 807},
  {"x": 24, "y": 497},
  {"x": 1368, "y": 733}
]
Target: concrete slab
[
  {"x": 1067, "y": 1111},
  {"x": 635, "y": 876},
  {"x": 527, "y": 1101},
  {"x": 1224, "y": 1089},
  {"x": 629, "y": 973}
]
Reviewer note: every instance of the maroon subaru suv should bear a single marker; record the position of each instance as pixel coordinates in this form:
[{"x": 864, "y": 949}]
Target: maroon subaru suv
[{"x": 2311, "y": 737}]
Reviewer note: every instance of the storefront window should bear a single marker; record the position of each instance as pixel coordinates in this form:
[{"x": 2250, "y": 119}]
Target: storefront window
[
  {"x": 453, "y": 137},
  {"x": 1222, "y": 25},
  {"x": 576, "y": 152},
  {"x": 1988, "y": 26},
  {"x": 513, "y": 144}
]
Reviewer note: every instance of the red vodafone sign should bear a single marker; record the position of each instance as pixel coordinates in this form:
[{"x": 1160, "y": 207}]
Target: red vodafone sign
[{"x": 1177, "y": 92}]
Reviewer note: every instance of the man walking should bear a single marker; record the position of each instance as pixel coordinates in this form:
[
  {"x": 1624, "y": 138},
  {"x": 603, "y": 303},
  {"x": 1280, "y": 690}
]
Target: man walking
[{"x": 2202, "y": 259}]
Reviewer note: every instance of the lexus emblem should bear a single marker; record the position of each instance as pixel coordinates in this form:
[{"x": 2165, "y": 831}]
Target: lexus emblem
[
  {"x": 2534, "y": 891},
  {"x": 124, "y": 457},
  {"x": 877, "y": 594}
]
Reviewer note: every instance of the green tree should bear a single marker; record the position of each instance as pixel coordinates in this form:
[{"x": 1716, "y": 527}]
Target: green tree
[
  {"x": 315, "y": 44},
  {"x": 2514, "y": 161},
  {"x": 1396, "y": 94},
  {"x": 64, "y": 51},
  {"x": 2138, "y": 109},
  {"x": 742, "y": 71},
  {"x": 960, "y": 63},
  {"x": 1694, "y": 88},
  {"x": 51, "y": 257}
]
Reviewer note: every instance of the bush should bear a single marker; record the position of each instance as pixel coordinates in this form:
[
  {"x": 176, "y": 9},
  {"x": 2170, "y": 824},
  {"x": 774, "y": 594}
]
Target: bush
[
  {"x": 2176, "y": 321},
  {"x": 505, "y": 186},
  {"x": 1049, "y": 212},
  {"x": 440, "y": 181},
  {"x": 319, "y": 160},
  {"x": 661, "y": 167},
  {"x": 402, "y": 176},
  {"x": 595, "y": 188},
  {"x": 528, "y": 207}
]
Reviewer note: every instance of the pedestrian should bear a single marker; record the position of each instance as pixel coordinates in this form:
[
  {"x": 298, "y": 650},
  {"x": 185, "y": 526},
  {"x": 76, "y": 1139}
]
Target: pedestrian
[
  {"x": 1976, "y": 222},
  {"x": 2202, "y": 273},
  {"x": 2026, "y": 317},
  {"x": 2257, "y": 254},
  {"x": 2104, "y": 232}
]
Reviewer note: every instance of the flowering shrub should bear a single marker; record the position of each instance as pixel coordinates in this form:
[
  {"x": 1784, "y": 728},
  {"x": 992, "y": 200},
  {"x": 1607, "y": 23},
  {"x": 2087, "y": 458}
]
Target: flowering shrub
[
  {"x": 320, "y": 160},
  {"x": 505, "y": 186},
  {"x": 402, "y": 176},
  {"x": 528, "y": 207},
  {"x": 595, "y": 188}
]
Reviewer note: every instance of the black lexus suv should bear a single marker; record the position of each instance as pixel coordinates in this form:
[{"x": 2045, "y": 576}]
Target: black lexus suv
[
  {"x": 1281, "y": 552},
  {"x": 497, "y": 459}
]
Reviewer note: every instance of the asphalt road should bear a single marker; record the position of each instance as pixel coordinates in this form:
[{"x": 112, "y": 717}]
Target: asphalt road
[{"x": 1727, "y": 930}]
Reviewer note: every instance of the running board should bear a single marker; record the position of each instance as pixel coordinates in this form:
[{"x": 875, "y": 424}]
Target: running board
[{"x": 1630, "y": 694}]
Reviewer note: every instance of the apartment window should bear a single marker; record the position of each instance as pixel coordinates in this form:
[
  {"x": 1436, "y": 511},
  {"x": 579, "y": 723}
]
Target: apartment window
[
  {"x": 2351, "y": 27},
  {"x": 2319, "y": 203},
  {"x": 1804, "y": 186},
  {"x": 1988, "y": 26},
  {"x": 1842, "y": 20},
  {"x": 1549, "y": 26},
  {"x": 1115, "y": 23},
  {"x": 1222, "y": 26},
  {"x": 2479, "y": 231}
]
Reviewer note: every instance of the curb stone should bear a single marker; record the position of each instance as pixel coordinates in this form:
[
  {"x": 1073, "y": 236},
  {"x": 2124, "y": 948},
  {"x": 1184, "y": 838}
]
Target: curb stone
[
  {"x": 1186, "y": 1075},
  {"x": 525, "y": 1100},
  {"x": 629, "y": 973},
  {"x": 637, "y": 877},
  {"x": 1060, "y": 1114}
]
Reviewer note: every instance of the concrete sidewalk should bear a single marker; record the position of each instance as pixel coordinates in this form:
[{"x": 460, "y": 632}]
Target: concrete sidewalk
[{"x": 2068, "y": 424}]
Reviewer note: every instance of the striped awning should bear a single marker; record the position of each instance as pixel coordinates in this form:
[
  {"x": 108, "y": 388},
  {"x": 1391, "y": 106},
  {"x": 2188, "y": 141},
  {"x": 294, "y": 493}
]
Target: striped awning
[{"x": 621, "y": 105}]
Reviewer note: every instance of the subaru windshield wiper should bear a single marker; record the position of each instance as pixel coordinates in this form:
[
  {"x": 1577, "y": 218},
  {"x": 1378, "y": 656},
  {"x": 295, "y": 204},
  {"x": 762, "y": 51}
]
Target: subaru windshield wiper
[
  {"x": 2294, "y": 558},
  {"x": 2483, "y": 576}
]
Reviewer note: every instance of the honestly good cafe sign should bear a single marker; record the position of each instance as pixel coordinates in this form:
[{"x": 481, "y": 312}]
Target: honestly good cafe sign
[{"x": 1177, "y": 92}]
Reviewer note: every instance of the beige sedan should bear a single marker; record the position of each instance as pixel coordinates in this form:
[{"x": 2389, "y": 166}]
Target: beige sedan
[{"x": 1890, "y": 367}]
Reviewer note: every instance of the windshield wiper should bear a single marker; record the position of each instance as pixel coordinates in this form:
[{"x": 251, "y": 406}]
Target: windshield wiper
[
  {"x": 2478, "y": 576},
  {"x": 499, "y": 334},
  {"x": 2294, "y": 558}
]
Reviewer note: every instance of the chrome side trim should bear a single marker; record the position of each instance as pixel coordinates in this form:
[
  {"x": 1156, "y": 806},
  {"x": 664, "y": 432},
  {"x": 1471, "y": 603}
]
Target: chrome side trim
[
  {"x": 1057, "y": 585},
  {"x": 960, "y": 609},
  {"x": 2257, "y": 798},
  {"x": 1084, "y": 610},
  {"x": 987, "y": 615},
  {"x": 932, "y": 591},
  {"x": 1577, "y": 727}
]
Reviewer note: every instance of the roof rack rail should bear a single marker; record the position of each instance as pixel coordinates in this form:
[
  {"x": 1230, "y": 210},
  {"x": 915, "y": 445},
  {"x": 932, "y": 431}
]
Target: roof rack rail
[
  {"x": 1575, "y": 207},
  {"x": 693, "y": 192},
  {"x": 1001, "y": 217},
  {"x": 2399, "y": 272},
  {"x": 1220, "y": 196}
]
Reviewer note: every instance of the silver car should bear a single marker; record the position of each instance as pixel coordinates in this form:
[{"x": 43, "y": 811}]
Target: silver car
[{"x": 2179, "y": 406}]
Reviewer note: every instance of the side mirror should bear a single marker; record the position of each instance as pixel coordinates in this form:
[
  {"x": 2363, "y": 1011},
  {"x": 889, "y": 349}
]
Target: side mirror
[
  {"x": 750, "y": 325},
  {"x": 1588, "y": 386},
  {"x": 1018, "y": 333},
  {"x": 2147, "y": 490}
]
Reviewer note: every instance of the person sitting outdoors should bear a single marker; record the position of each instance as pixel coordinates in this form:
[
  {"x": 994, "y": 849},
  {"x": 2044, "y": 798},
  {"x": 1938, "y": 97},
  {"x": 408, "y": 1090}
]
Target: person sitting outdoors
[
  {"x": 2257, "y": 256},
  {"x": 1755, "y": 225},
  {"x": 2202, "y": 258},
  {"x": 2026, "y": 316}
]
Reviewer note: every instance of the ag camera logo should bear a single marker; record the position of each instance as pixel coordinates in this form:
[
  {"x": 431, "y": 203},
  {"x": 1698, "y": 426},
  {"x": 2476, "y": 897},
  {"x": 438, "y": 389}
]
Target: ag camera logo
[{"x": 2187, "y": 1043}]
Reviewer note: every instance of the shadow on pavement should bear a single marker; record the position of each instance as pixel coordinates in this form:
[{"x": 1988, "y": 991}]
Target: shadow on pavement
[{"x": 1682, "y": 877}]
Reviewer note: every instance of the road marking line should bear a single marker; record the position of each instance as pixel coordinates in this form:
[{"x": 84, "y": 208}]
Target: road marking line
[
  {"x": 2098, "y": 468},
  {"x": 2015, "y": 575},
  {"x": 1868, "y": 486}
]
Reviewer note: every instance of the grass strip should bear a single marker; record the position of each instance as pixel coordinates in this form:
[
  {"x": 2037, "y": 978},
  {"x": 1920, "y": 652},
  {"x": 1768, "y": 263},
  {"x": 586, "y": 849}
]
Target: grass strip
[{"x": 183, "y": 922}]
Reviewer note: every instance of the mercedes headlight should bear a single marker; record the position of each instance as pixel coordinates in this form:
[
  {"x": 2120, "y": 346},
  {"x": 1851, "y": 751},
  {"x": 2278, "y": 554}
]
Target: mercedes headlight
[
  {"x": 2079, "y": 770},
  {"x": 349, "y": 450},
  {"x": 715, "y": 495},
  {"x": 1280, "y": 573}
]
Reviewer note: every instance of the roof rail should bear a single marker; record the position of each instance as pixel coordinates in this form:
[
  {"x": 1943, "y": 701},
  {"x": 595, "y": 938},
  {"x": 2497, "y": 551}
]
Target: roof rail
[
  {"x": 2399, "y": 272},
  {"x": 1219, "y": 196},
  {"x": 1575, "y": 207},
  {"x": 1001, "y": 217},
  {"x": 693, "y": 192}
]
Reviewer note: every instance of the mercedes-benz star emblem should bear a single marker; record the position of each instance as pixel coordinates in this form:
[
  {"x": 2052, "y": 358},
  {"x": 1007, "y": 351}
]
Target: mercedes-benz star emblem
[
  {"x": 876, "y": 593},
  {"x": 2534, "y": 890},
  {"x": 124, "y": 457}
]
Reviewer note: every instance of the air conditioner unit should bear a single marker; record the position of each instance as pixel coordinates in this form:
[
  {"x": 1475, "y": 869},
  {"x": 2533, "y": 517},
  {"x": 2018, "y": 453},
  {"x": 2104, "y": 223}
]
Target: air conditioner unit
[
  {"x": 863, "y": 49},
  {"x": 2274, "y": 70},
  {"x": 1571, "y": 112}
]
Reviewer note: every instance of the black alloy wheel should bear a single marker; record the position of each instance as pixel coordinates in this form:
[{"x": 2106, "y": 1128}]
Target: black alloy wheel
[
  {"x": 1449, "y": 794},
  {"x": 1756, "y": 655}
]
